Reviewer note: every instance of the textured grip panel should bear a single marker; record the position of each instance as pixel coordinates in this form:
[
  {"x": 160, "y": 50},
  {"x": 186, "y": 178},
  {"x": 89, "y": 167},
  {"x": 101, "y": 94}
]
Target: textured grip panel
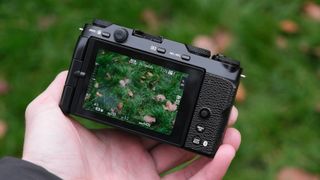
[{"x": 217, "y": 94}]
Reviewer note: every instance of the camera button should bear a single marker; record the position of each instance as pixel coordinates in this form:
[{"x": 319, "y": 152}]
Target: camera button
[
  {"x": 198, "y": 51},
  {"x": 161, "y": 50},
  {"x": 120, "y": 35},
  {"x": 204, "y": 113},
  {"x": 105, "y": 34},
  {"x": 100, "y": 23},
  {"x": 196, "y": 140},
  {"x": 185, "y": 57},
  {"x": 200, "y": 128}
]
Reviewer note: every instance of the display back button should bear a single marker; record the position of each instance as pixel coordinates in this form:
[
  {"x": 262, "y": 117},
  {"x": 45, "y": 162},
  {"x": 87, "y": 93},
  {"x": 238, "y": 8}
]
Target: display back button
[{"x": 200, "y": 128}]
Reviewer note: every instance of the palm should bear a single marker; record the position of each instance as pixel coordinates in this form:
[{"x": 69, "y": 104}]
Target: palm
[{"x": 71, "y": 151}]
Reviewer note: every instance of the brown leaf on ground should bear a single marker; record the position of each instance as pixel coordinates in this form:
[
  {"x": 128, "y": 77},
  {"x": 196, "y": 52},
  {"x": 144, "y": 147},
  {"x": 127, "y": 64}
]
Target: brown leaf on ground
[
  {"x": 45, "y": 22},
  {"x": 205, "y": 42},
  {"x": 4, "y": 87},
  {"x": 289, "y": 173},
  {"x": 120, "y": 106},
  {"x": 130, "y": 93},
  {"x": 170, "y": 107},
  {"x": 149, "y": 74},
  {"x": 108, "y": 76},
  {"x": 149, "y": 119},
  {"x": 281, "y": 42},
  {"x": 222, "y": 39},
  {"x": 289, "y": 26},
  {"x": 312, "y": 10},
  {"x": 217, "y": 43},
  {"x": 160, "y": 97},
  {"x": 3, "y": 128},
  {"x": 151, "y": 19},
  {"x": 124, "y": 82},
  {"x": 241, "y": 93},
  {"x": 98, "y": 94}
]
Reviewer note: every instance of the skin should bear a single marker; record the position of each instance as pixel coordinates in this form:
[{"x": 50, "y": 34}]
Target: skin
[{"x": 70, "y": 151}]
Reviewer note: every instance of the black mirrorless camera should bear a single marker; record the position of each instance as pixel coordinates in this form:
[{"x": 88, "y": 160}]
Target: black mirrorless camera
[{"x": 174, "y": 93}]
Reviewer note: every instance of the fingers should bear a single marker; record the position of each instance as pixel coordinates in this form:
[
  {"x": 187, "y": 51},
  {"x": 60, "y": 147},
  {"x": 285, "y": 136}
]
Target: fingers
[
  {"x": 148, "y": 143},
  {"x": 205, "y": 168},
  {"x": 167, "y": 157},
  {"x": 217, "y": 168},
  {"x": 233, "y": 137},
  {"x": 233, "y": 116}
]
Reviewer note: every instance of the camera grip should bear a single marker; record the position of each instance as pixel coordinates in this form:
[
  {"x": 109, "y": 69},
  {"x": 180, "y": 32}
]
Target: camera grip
[{"x": 205, "y": 133}]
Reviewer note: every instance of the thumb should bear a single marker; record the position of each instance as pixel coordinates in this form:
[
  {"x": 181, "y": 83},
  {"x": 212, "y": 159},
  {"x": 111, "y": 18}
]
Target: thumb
[
  {"x": 49, "y": 98},
  {"x": 56, "y": 87}
]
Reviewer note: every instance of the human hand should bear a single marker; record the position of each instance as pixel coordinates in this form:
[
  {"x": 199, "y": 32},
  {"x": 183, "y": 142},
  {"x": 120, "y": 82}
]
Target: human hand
[{"x": 70, "y": 151}]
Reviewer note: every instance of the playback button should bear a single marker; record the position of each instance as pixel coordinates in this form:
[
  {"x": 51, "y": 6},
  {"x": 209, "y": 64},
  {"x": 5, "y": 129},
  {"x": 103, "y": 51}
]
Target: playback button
[{"x": 196, "y": 140}]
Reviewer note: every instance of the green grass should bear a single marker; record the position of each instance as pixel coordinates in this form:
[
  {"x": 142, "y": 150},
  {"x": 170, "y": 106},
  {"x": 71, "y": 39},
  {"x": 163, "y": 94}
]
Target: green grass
[
  {"x": 278, "y": 120},
  {"x": 136, "y": 98}
]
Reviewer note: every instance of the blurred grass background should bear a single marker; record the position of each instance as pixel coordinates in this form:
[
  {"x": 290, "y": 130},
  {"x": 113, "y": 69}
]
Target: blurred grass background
[{"x": 280, "y": 116}]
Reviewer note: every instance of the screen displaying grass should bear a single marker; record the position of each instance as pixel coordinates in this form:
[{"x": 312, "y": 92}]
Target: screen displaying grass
[{"x": 135, "y": 91}]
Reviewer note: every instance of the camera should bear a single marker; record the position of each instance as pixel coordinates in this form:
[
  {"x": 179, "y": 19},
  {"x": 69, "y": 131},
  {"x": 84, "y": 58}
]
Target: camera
[{"x": 151, "y": 86}]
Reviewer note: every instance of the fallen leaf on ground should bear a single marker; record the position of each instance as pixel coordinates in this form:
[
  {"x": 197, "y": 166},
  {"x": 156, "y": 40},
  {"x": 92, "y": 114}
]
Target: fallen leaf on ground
[
  {"x": 124, "y": 82},
  {"x": 98, "y": 94},
  {"x": 130, "y": 93},
  {"x": 205, "y": 42},
  {"x": 149, "y": 74},
  {"x": 160, "y": 97},
  {"x": 4, "y": 87},
  {"x": 281, "y": 42},
  {"x": 289, "y": 26},
  {"x": 45, "y": 22},
  {"x": 120, "y": 106},
  {"x": 217, "y": 43},
  {"x": 149, "y": 119},
  {"x": 151, "y": 19},
  {"x": 170, "y": 107},
  {"x": 96, "y": 85},
  {"x": 108, "y": 76},
  {"x": 222, "y": 39},
  {"x": 312, "y": 10},
  {"x": 3, "y": 128},
  {"x": 87, "y": 96},
  {"x": 241, "y": 93},
  {"x": 289, "y": 173}
]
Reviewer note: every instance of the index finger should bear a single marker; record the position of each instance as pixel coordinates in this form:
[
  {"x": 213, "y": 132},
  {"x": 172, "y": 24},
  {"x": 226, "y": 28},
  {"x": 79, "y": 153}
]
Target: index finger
[{"x": 233, "y": 116}]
